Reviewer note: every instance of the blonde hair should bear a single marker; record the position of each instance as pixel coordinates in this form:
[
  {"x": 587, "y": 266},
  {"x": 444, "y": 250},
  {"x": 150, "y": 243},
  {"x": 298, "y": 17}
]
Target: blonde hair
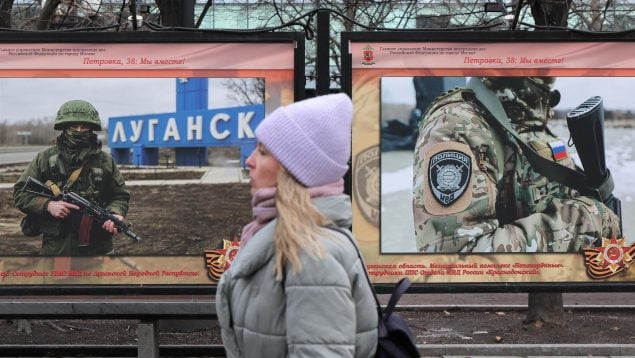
[{"x": 299, "y": 227}]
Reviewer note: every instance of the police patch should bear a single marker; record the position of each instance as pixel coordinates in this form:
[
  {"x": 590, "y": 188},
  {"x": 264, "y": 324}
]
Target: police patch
[{"x": 449, "y": 173}]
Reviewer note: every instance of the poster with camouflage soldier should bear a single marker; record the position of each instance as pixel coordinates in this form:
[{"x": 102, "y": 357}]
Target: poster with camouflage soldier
[{"x": 480, "y": 177}]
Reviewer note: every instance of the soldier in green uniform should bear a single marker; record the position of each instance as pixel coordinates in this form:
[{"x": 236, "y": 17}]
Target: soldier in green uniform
[
  {"x": 474, "y": 189},
  {"x": 78, "y": 161}
]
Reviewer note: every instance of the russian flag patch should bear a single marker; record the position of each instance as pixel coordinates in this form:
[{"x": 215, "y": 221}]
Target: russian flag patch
[{"x": 558, "y": 149}]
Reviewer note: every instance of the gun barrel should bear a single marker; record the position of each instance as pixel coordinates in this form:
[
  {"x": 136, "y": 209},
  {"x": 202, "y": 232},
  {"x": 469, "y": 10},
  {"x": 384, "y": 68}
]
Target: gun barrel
[
  {"x": 132, "y": 235},
  {"x": 124, "y": 228}
]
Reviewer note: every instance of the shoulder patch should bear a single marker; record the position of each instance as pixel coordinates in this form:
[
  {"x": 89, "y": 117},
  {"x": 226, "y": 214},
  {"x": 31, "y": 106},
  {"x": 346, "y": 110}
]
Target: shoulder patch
[
  {"x": 449, "y": 173},
  {"x": 449, "y": 168}
]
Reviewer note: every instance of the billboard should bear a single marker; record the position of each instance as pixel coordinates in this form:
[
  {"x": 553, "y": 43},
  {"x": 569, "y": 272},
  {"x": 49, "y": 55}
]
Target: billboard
[
  {"x": 191, "y": 93},
  {"x": 409, "y": 210}
]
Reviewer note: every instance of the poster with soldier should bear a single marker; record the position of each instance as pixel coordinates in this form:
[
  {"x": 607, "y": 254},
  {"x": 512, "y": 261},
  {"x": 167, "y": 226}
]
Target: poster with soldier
[
  {"x": 123, "y": 163},
  {"x": 478, "y": 154}
]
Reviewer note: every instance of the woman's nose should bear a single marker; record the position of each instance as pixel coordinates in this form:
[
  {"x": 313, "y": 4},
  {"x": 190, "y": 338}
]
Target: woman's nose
[{"x": 250, "y": 160}]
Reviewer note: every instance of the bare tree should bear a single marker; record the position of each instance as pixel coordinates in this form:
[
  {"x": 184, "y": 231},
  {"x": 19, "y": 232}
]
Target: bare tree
[
  {"x": 170, "y": 12},
  {"x": 550, "y": 12},
  {"x": 598, "y": 15},
  {"x": 65, "y": 14},
  {"x": 357, "y": 15},
  {"x": 245, "y": 91},
  {"x": 5, "y": 13},
  {"x": 547, "y": 307},
  {"x": 48, "y": 10},
  {"x": 174, "y": 12},
  {"x": 40, "y": 131},
  {"x": 346, "y": 15},
  {"x": 3, "y": 131}
]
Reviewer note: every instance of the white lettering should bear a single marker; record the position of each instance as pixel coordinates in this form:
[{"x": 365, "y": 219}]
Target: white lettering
[
  {"x": 120, "y": 134},
  {"x": 194, "y": 128},
  {"x": 244, "y": 130},
  {"x": 171, "y": 131},
  {"x": 214, "y": 131},
  {"x": 237, "y": 125},
  {"x": 152, "y": 122},
  {"x": 136, "y": 130}
]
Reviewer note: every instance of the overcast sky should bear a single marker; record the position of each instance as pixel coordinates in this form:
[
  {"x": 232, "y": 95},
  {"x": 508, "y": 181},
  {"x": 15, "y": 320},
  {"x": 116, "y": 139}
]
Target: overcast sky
[
  {"x": 28, "y": 98},
  {"x": 615, "y": 91}
]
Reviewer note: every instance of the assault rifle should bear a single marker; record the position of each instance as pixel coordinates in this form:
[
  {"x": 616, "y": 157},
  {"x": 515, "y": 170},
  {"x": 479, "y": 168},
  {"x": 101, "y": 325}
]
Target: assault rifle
[
  {"x": 92, "y": 209},
  {"x": 586, "y": 125}
]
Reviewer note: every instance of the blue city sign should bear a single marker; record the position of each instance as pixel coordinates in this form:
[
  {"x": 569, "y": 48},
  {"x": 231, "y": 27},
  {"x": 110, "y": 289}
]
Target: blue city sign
[{"x": 233, "y": 126}]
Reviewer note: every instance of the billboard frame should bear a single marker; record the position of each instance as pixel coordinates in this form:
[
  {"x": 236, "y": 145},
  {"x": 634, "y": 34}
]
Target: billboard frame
[
  {"x": 348, "y": 39},
  {"x": 296, "y": 39}
]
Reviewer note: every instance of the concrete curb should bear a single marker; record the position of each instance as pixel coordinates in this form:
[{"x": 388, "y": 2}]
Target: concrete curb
[
  {"x": 514, "y": 350},
  {"x": 480, "y": 308}
]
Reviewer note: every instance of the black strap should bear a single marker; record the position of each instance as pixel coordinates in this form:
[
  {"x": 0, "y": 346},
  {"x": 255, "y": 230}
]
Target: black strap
[
  {"x": 343, "y": 232},
  {"x": 552, "y": 170},
  {"x": 400, "y": 289}
]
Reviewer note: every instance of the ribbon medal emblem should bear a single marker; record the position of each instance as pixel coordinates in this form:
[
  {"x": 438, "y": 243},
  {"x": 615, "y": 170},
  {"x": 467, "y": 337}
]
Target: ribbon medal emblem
[{"x": 448, "y": 175}]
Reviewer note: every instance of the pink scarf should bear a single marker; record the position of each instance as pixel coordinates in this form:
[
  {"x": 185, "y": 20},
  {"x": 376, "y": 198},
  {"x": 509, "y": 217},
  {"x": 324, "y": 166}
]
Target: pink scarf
[{"x": 263, "y": 206}]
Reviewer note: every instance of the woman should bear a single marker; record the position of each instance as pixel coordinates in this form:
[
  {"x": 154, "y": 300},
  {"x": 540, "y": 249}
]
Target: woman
[{"x": 297, "y": 288}]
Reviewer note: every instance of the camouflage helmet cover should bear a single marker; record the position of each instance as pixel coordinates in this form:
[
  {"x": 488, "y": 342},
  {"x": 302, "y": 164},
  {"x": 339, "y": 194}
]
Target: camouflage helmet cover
[
  {"x": 543, "y": 83},
  {"x": 529, "y": 89},
  {"x": 77, "y": 112}
]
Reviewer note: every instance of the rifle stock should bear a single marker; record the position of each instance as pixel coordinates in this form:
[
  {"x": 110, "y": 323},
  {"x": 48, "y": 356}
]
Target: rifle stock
[{"x": 586, "y": 125}]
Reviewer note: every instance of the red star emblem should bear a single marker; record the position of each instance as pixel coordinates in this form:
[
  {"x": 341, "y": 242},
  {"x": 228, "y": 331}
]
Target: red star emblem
[
  {"x": 228, "y": 252},
  {"x": 613, "y": 254}
]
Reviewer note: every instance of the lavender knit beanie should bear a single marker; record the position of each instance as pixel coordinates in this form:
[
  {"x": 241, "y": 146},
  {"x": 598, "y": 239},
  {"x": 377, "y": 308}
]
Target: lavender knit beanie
[{"x": 311, "y": 138}]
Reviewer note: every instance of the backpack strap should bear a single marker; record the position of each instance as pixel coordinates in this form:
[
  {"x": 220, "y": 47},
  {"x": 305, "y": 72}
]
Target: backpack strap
[
  {"x": 401, "y": 288},
  {"x": 359, "y": 255}
]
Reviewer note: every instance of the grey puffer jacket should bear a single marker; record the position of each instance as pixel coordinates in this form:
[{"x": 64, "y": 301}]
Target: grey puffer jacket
[{"x": 325, "y": 310}]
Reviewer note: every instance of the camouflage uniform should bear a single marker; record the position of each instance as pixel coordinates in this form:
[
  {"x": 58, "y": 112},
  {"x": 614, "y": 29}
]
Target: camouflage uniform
[
  {"x": 100, "y": 181},
  {"x": 475, "y": 191}
]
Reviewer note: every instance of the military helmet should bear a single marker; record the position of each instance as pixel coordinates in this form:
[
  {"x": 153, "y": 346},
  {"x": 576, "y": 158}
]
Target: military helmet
[
  {"x": 77, "y": 112},
  {"x": 542, "y": 83},
  {"x": 530, "y": 89}
]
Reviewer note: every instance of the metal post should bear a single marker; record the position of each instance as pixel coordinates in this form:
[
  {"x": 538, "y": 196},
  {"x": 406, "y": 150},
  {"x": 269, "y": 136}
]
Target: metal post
[
  {"x": 322, "y": 66},
  {"x": 148, "y": 335}
]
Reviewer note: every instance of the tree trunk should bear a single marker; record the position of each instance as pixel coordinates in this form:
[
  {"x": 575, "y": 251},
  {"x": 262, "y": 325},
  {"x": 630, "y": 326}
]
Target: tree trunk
[
  {"x": 176, "y": 13},
  {"x": 550, "y": 12},
  {"x": 47, "y": 14},
  {"x": 5, "y": 13},
  {"x": 545, "y": 307}
]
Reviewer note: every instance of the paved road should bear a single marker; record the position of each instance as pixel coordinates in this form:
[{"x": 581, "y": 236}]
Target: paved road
[
  {"x": 13, "y": 155},
  {"x": 22, "y": 154}
]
